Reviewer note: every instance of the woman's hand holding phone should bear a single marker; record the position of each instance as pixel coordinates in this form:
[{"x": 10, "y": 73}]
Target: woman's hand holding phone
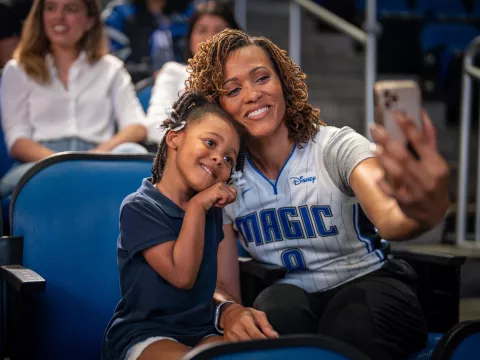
[{"x": 419, "y": 184}]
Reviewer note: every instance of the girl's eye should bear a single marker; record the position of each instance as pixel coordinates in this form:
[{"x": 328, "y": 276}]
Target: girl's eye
[
  {"x": 210, "y": 143},
  {"x": 229, "y": 160},
  {"x": 233, "y": 92}
]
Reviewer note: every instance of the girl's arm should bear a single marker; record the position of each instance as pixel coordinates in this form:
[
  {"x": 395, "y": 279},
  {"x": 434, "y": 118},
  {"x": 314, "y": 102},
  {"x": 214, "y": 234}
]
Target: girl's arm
[{"x": 178, "y": 261}]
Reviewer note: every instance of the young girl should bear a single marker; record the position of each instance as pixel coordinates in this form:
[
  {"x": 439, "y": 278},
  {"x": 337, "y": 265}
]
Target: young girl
[{"x": 170, "y": 229}]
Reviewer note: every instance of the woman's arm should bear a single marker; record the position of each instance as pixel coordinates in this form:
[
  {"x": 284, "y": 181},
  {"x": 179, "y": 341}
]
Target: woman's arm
[
  {"x": 17, "y": 130},
  {"x": 239, "y": 322},
  {"x": 132, "y": 133},
  {"x": 228, "y": 278},
  {"x": 27, "y": 150},
  {"x": 402, "y": 196}
]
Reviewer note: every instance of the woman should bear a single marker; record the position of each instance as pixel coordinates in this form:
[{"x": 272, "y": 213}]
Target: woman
[
  {"x": 208, "y": 19},
  {"x": 306, "y": 184},
  {"x": 62, "y": 92},
  {"x": 147, "y": 33}
]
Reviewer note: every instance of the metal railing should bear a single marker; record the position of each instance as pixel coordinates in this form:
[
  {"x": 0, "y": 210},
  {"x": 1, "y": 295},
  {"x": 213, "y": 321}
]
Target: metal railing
[
  {"x": 469, "y": 72},
  {"x": 368, "y": 38},
  {"x": 241, "y": 13}
]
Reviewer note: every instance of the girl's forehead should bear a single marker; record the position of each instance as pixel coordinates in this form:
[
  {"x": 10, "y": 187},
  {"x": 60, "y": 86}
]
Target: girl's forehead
[{"x": 212, "y": 121}]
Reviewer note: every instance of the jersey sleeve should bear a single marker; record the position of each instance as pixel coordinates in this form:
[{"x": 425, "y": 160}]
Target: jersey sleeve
[
  {"x": 143, "y": 226},
  {"x": 343, "y": 151}
]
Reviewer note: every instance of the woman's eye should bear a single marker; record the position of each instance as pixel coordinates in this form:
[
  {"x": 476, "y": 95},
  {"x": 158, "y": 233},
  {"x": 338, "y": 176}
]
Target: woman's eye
[
  {"x": 262, "y": 78},
  {"x": 233, "y": 92},
  {"x": 210, "y": 143},
  {"x": 73, "y": 8}
]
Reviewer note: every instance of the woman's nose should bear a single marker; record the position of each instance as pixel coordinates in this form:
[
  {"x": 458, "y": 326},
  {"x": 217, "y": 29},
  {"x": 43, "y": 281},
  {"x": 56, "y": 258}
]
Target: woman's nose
[{"x": 253, "y": 96}]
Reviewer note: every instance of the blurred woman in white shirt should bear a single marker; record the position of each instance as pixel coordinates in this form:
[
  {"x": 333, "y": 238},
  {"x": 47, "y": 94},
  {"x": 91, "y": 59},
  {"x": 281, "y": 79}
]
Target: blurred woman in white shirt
[
  {"x": 208, "y": 19},
  {"x": 63, "y": 92}
]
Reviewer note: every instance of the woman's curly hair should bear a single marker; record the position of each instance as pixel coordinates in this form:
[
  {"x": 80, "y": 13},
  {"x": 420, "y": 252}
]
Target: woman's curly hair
[{"x": 207, "y": 75}]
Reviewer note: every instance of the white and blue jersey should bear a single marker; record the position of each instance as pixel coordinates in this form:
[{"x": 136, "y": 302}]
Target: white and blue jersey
[{"x": 307, "y": 219}]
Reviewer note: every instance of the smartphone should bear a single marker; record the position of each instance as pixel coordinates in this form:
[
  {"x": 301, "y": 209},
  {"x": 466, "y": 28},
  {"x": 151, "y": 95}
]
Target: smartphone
[{"x": 397, "y": 95}]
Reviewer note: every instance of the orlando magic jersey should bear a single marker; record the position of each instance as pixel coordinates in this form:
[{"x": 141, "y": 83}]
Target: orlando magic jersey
[{"x": 303, "y": 221}]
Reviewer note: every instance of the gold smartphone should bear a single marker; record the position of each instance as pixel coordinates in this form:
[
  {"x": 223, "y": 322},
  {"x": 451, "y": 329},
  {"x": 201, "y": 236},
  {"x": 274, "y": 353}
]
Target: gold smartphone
[{"x": 397, "y": 95}]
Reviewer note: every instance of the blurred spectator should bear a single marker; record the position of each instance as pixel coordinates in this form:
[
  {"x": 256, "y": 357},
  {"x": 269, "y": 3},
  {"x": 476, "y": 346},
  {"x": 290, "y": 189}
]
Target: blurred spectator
[
  {"x": 62, "y": 91},
  {"x": 208, "y": 19},
  {"x": 146, "y": 34},
  {"x": 12, "y": 15}
]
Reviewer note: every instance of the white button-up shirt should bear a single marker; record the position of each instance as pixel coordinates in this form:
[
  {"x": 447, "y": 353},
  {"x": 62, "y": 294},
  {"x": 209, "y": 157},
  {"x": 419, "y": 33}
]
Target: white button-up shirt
[
  {"x": 169, "y": 84},
  {"x": 100, "y": 99}
]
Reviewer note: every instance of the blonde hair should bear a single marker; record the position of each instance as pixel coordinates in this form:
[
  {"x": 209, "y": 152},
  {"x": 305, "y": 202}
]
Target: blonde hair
[{"x": 34, "y": 44}]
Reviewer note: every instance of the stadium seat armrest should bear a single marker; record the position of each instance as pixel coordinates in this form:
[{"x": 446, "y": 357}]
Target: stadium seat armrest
[
  {"x": 429, "y": 258},
  {"x": 22, "y": 279},
  {"x": 266, "y": 272}
]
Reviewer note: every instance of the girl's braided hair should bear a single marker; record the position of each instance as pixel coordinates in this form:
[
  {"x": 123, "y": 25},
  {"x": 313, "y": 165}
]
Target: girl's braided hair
[
  {"x": 207, "y": 71},
  {"x": 190, "y": 106}
]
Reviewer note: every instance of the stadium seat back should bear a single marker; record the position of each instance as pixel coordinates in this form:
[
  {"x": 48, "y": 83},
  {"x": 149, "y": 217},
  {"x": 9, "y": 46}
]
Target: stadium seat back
[
  {"x": 286, "y": 348},
  {"x": 67, "y": 210}
]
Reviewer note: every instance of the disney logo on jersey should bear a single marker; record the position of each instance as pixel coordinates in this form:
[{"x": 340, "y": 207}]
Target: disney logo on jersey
[{"x": 303, "y": 180}]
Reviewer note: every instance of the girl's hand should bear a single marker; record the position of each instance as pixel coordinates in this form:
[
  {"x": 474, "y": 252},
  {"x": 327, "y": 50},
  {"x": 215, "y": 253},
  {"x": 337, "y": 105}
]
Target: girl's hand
[
  {"x": 218, "y": 195},
  {"x": 420, "y": 186}
]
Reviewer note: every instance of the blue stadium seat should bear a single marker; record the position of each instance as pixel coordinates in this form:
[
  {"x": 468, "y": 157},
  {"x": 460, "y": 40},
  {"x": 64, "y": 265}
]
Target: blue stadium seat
[
  {"x": 426, "y": 354},
  {"x": 6, "y": 163},
  {"x": 144, "y": 92},
  {"x": 284, "y": 348},
  {"x": 438, "y": 9},
  {"x": 387, "y": 6},
  {"x": 439, "y": 43},
  {"x": 462, "y": 342},
  {"x": 66, "y": 209},
  {"x": 5, "y": 160}
]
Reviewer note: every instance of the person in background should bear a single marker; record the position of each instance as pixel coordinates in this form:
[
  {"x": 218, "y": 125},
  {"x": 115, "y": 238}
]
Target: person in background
[
  {"x": 63, "y": 92},
  {"x": 208, "y": 19},
  {"x": 12, "y": 16},
  {"x": 146, "y": 34}
]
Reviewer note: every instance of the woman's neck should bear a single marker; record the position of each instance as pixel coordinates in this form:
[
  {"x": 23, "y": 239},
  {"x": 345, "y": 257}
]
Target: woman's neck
[
  {"x": 270, "y": 153},
  {"x": 63, "y": 58},
  {"x": 63, "y": 55},
  {"x": 177, "y": 191}
]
